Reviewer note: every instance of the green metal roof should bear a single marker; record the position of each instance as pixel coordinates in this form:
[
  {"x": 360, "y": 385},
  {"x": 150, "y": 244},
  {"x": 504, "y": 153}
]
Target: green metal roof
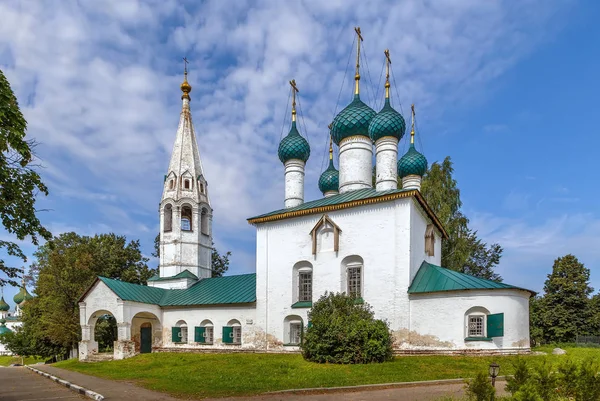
[
  {"x": 184, "y": 274},
  {"x": 432, "y": 278},
  {"x": 338, "y": 199},
  {"x": 209, "y": 291},
  {"x": 4, "y": 329},
  {"x": 212, "y": 291}
]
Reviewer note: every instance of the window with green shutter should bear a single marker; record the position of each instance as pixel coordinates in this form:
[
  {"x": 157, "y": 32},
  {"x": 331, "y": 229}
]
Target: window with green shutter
[
  {"x": 199, "y": 334},
  {"x": 227, "y": 335},
  {"x": 495, "y": 325},
  {"x": 176, "y": 334}
]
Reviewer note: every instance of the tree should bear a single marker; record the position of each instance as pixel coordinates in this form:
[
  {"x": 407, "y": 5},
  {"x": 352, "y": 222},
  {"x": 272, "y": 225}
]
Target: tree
[
  {"x": 564, "y": 308},
  {"x": 19, "y": 183},
  {"x": 462, "y": 251},
  {"x": 345, "y": 331},
  {"x": 64, "y": 268},
  {"x": 219, "y": 263}
]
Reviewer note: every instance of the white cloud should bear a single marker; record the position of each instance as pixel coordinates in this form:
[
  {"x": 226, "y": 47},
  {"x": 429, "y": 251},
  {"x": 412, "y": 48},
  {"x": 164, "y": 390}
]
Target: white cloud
[{"x": 98, "y": 83}]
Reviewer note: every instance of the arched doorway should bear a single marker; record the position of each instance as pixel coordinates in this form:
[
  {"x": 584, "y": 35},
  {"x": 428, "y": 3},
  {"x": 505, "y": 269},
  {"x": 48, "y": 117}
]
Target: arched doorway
[
  {"x": 103, "y": 329},
  {"x": 146, "y": 332},
  {"x": 145, "y": 338}
]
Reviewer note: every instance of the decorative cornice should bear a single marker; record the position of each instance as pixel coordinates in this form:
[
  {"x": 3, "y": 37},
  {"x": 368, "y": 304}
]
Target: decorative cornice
[{"x": 355, "y": 203}]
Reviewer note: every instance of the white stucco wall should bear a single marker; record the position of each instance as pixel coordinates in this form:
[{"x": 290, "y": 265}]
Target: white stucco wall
[
  {"x": 356, "y": 163},
  {"x": 386, "y": 169},
  {"x": 437, "y": 320},
  {"x": 418, "y": 226},
  {"x": 294, "y": 182}
]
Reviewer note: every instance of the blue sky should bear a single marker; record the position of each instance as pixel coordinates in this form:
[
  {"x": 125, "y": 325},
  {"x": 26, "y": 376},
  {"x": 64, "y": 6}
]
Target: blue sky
[{"x": 508, "y": 89}]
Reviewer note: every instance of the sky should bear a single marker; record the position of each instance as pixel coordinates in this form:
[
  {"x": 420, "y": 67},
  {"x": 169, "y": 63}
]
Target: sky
[{"x": 507, "y": 89}]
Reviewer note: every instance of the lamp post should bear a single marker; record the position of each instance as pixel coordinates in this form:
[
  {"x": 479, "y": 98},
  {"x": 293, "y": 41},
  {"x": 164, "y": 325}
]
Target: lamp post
[{"x": 494, "y": 370}]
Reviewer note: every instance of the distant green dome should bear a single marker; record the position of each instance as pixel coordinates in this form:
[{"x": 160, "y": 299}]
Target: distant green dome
[
  {"x": 21, "y": 296},
  {"x": 412, "y": 163},
  {"x": 4, "y": 329},
  {"x": 388, "y": 122},
  {"x": 3, "y": 305},
  {"x": 330, "y": 179},
  {"x": 353, "y": 120},
  {"x": 293, "y": 146},
  {"x": 2, "y": 321}
]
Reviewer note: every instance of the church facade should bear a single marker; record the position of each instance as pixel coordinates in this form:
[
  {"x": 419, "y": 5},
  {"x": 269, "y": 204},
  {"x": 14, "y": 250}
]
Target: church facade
[{"x": 378, "y": 243}]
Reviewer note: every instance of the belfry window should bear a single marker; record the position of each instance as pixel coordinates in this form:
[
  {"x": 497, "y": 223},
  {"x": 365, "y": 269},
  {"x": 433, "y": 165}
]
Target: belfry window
[
  {"x": 186, "y": 218},
  {"x": 171, "y": 183},
  {"x": 305, "y": 286},
  {"x": 430, "y": 240},
  {"x": 186, "y": 184},
  {"x": 168, "y": 218}
]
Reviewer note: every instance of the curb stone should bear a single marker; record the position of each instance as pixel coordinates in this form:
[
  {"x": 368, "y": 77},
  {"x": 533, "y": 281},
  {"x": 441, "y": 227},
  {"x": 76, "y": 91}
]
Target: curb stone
[
  {"x": 374, "y": 386},
  {"x": 78, "y": 389}
]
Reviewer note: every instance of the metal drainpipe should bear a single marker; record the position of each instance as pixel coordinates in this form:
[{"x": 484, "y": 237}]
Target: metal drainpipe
[{"x": 267, "y": 291}]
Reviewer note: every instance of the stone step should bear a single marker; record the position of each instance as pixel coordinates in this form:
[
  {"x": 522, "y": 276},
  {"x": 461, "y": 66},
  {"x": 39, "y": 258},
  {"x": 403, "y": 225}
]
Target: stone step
[{"x": 105, "y": 356}]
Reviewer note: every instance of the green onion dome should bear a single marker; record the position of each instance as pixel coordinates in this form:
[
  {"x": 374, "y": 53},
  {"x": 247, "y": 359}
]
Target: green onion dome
[
  {"x": 3, "y": 305},
  {"x": 4, "y": 329},
  {"x": 293, "y": 146},
  {"x": 2, "y": 321},
  {"x": 330, "y": 179},
  {"x": 353, "y": 120},
  {"x": 388, "y": 122},
  {"x": 412, "y": 163},
  {"x": 21, "y": 296}
]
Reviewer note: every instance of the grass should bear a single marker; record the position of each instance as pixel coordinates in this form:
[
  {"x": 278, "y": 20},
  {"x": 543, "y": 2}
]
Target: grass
[
  {"x": 7, "y": 360},
  {"x": 222, "y": 375}
]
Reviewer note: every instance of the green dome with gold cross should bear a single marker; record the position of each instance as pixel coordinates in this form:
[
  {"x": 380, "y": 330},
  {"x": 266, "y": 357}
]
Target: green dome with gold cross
[
  {"x": 412, "y": 163},
  {"x": 293, "y": 146},
  {"x": 388, "y": 122},
  {"x": 22, "y": 295},
  {"x": 353, "y": 120}
]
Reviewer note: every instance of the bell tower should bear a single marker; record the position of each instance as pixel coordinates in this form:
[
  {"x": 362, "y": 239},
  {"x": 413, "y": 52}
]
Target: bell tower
[{"x": 185, "y": 210}]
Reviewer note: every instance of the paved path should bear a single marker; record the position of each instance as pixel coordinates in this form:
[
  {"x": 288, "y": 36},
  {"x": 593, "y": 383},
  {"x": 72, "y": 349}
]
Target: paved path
[
  {"x": 118, "y": 390},
  {"x": 21, "y": 384}
]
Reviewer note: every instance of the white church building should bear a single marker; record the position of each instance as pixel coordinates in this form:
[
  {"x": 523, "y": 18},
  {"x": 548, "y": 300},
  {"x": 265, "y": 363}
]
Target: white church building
[{"x": 378, "y": 243}]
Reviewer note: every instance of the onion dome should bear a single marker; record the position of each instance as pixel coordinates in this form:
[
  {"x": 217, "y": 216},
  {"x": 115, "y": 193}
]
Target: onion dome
[
  {"x": 388, "y": 122},
  {"x": 353, "y": 120},
  {"x": 412, "y": 163},
  {"x": 330, "y": 179},
  {"x": 293, "y": 146},
  {"x": 4, "y": 329},
  {"x": 2, "y": 321},
  {"x": 22, "y": 295},
  {"x": 3, "y": 305},
  {"x": 186, "y": 88}
]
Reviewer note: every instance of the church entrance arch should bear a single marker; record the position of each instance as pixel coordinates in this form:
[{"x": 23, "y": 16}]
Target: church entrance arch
[
  {"x": 103, "y": 329},
  {"x": 146, "y": 332}
]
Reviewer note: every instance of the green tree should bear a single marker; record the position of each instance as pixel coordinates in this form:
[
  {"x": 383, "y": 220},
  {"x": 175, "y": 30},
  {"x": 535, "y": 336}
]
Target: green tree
[
  {"x": 345, "y": 331},
  {"x": 536, "y": 328},
  {"x": 219, "y": 263},
  {"x": 565, "y": 304},
  {"x": 19, "y": 182},
  {"x": 462, "y": 251},
  {"x": 64, "y": 268}
]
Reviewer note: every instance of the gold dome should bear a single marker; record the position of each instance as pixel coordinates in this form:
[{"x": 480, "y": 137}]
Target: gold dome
[{"x": 186, "y": 88}]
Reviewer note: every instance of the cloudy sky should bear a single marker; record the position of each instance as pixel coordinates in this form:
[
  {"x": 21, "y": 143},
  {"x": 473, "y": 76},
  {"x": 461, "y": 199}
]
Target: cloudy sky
[{"x": 508, "y": 89}]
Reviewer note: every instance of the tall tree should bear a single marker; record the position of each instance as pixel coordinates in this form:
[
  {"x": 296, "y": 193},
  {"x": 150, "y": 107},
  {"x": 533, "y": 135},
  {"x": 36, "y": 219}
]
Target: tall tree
[
  {"x": 564, "y": 307},
  {"x": 64, "y": 268},
  {"x": 462, "y": 251},
  {"x": 19, "y": 183},
  {"x": 219, "y": 263}
]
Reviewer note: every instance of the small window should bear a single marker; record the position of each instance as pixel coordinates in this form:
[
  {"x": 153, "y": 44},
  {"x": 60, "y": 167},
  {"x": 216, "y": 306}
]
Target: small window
[
  {"x": 171, "y": 183},
  {"x": 201, "y": 188},
  {"x": 186, "y": 218},
  {"x": 354, "y": 279},
  {"x": 305, "y": 289},
  {"x": 208, "y": 335},
  {"x": 476, "y": 326},
  {"x": 204, "y": 222},
  {"x": 186, "y": 184},
  {"x": 295, "y": 333},
  {"x": 237, "y": 334},
  {"x": 168, "y": 218},
  {"x": 430, "y": 240}
]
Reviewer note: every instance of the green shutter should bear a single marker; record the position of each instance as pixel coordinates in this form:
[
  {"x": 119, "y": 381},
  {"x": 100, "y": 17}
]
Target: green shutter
[
  {"x": 495, "y": 325},
  {"x": 227, "y": 334},
  {"x": 176, "y": 334},
  {"x": 309, "y": 324},
  {"x": 199, "y": 334}
]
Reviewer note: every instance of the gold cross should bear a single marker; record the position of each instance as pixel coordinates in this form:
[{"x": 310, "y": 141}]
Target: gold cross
[
  {"x": 185, "y": 63},
  {"x": 294, "y": 90}
]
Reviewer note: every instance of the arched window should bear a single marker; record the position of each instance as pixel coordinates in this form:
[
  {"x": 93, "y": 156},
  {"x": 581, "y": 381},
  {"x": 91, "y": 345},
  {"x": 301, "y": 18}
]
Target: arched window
[
  {"x": 352, "y": 276},
  {"x": 302, "y": 284},
  {"x": 476, "y": 322},
  {"x": 293, "y": 330},
  {"x": 179, "y": 333},
  {"x": 171, "y": 183},
  {"x": 168, "y": 218},
  {"x": 186, "y": 218},
  {"x": 207, "y": 329},
  {"x": 232, "y": 333},
  {"x": 187, "y": 184},
  {"x": 204, "y": 221},
  {"x": 201, "y": 188},
  {"x": 430, "y": 240}
]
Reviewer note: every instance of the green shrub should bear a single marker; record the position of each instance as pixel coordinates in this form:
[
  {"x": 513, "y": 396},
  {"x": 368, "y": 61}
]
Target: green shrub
[
  {"x": 588, "y": 381},
  {"x": 480, "y": 388},
  {"x": 544, "y": 380},
  {"x": 520, "y": 377},
  {"x": 345, "y": 331},
  {"x": 527, "y": 392},
  {"x": 567, "y": 378}
]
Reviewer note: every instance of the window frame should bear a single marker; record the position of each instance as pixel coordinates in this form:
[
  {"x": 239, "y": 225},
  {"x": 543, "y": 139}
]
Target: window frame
[
  {"x": 295, "y": 332},
  {"x": 236, "y": 335},
  {"x": 483, "y": 320},
  {"x": 187, "y": 216},
  {"x": 305, "y": 285},
  {"x": 353, "y": 281}
]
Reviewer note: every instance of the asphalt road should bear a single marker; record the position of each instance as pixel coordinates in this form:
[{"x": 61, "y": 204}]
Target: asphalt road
[{"x": 21, "y": 384}]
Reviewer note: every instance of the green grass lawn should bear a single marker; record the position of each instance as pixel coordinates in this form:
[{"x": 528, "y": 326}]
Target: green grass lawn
[
  {"x": 6, "y": 360},
  {"x": 221, "y": 375}
]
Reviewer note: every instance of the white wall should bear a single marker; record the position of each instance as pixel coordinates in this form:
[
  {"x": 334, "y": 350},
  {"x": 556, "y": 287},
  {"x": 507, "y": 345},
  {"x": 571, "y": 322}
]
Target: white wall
[
  {"x": 438, "y": 319},
  {"x": 418, "y": 225}
]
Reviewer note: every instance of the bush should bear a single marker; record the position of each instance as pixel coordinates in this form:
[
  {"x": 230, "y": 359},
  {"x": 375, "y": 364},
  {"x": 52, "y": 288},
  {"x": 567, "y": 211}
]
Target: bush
[
  {"x": 520, "y": 377},
  {"x": 345, "y": 331},
  {"x": 480, "y": 388}
]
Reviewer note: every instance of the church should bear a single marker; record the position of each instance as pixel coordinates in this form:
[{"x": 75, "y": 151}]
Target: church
[{"x": 374, "y": 241}]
